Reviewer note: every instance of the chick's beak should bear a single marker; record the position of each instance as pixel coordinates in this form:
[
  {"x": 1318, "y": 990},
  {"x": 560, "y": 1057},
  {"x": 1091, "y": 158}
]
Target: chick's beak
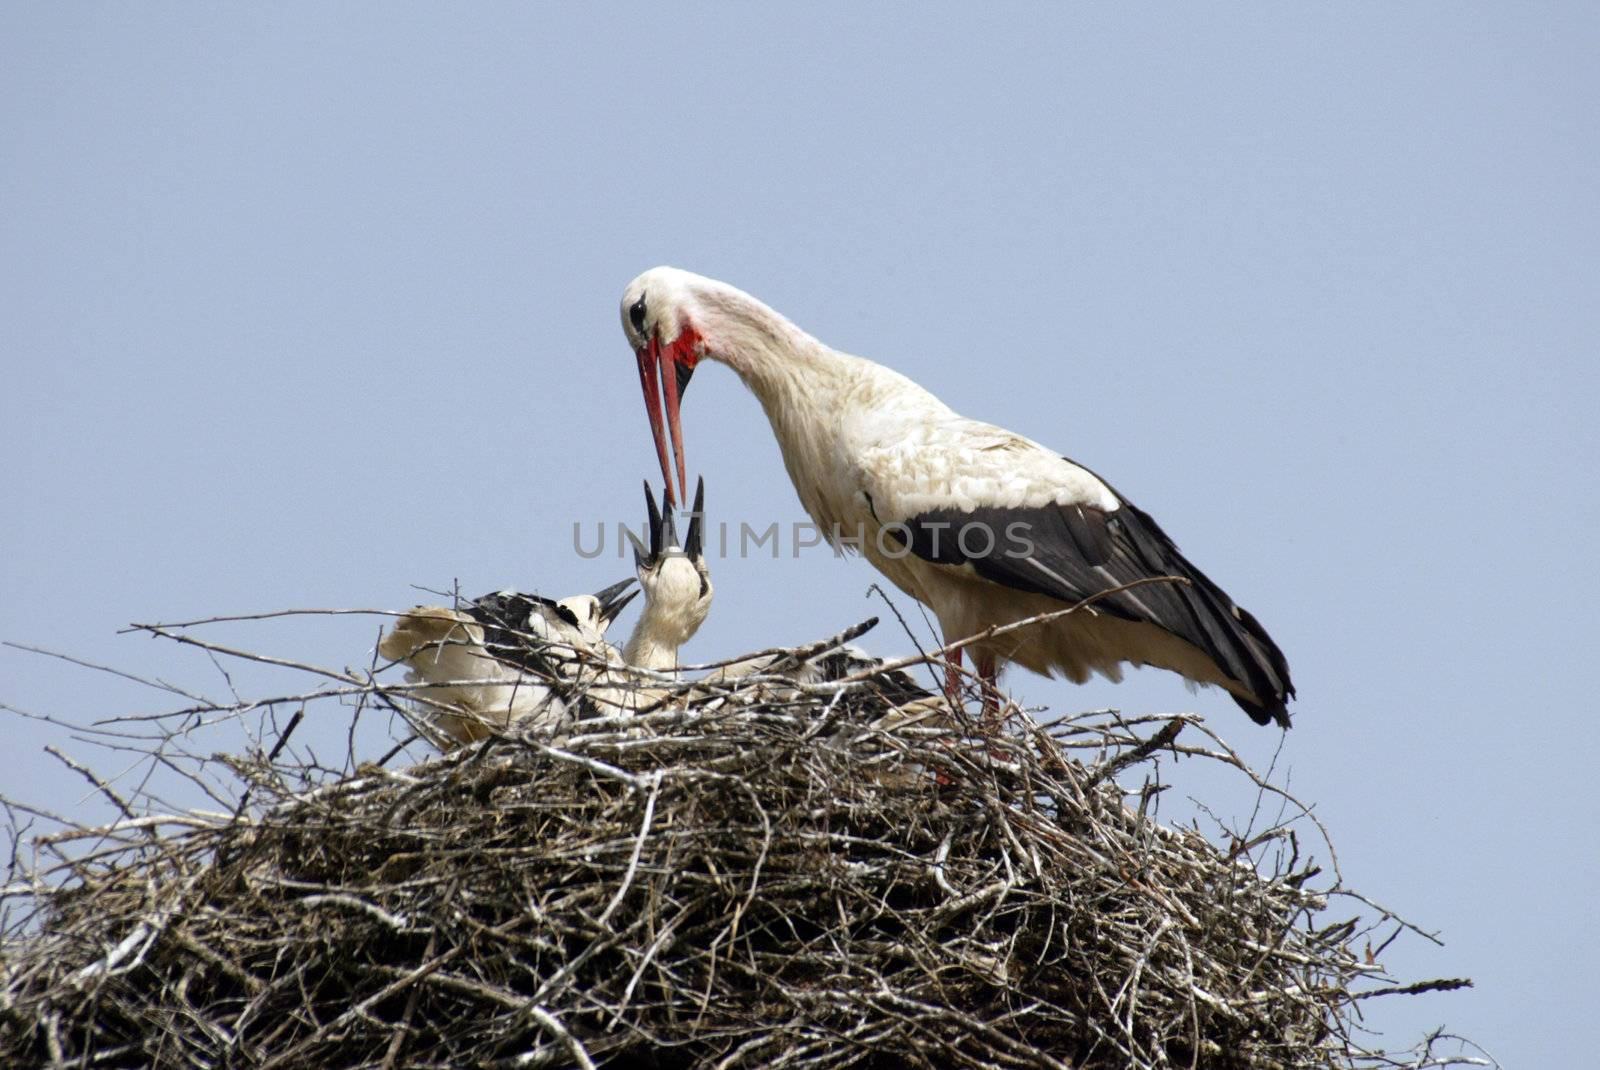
[
  {"x": 692, "y": 546},
  {"x": 613, "y": 598}
]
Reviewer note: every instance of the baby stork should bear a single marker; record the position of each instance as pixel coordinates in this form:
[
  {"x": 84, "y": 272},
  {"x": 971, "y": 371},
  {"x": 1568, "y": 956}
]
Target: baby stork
[
  {"x": 676, "y": 584},
  {"x": 508, "y": 656},
  {"x": 503, "y": 658}
]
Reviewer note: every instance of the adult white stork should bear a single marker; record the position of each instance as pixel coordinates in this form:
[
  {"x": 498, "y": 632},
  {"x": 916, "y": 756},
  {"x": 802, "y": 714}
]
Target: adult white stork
[{"x": 983, "y": 526}]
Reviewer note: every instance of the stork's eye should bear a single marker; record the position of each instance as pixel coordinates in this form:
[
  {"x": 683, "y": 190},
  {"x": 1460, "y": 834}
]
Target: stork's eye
[{"x": 636, "y": 314}]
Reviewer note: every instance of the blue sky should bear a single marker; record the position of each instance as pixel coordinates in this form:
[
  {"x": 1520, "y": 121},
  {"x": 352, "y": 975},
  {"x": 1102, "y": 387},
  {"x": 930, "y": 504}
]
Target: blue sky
[{"x": 302, "y": 305}]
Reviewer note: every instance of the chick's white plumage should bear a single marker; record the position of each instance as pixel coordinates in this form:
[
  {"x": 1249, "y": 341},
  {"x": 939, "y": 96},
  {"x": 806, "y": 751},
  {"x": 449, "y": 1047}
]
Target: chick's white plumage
[
  {"x": 677, "y": 587},
  {"x": 503, "y": 658},
  {"x": 509, "y": 657}
]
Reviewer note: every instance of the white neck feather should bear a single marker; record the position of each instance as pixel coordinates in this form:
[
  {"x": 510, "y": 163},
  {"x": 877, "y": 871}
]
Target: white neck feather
[
  {"x": 804, "y": 386},
  {"x": 648, "y": 649},
  {"x": 782, "y": 365},
  {"x": 674, "y": 609}
]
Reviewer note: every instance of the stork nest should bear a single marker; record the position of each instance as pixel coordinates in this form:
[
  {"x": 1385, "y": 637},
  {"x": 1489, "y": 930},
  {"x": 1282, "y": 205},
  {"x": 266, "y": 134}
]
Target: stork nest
[{"x": 746, "y": 877}]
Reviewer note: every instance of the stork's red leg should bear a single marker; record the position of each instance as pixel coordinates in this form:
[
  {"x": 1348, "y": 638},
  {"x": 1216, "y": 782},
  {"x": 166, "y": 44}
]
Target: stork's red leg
[
  {"x": 991, "y": 691},
  {"x": 987, "y": 672},
  {"x": 952, "y": 677}
]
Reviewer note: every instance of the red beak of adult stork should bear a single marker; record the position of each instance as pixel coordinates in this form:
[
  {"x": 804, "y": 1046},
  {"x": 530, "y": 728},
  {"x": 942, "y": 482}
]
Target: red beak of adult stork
[{"x": 670, "y": 366}]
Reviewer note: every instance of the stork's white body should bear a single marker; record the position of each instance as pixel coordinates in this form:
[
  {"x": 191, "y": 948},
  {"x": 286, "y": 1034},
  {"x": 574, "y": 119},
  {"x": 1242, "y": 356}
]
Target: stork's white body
[
  {"x": 865, "y": 447},
  {"x": 868, "y": 450}
]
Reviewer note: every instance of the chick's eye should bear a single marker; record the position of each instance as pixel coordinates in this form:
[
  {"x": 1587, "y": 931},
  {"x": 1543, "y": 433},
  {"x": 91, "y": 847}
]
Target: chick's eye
[{"x": 636, "y": 314}]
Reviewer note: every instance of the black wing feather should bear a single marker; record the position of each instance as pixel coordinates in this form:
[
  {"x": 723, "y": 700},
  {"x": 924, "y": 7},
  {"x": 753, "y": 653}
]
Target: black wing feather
[
  {"x": 504, "y": 616},
  {"x": 1074, "y": 551}
]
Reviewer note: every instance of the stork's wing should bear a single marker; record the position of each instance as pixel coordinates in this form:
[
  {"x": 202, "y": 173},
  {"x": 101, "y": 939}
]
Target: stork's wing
[
  {"x": 507, "y": 634},
  {"x": 1027, "y": 519}
]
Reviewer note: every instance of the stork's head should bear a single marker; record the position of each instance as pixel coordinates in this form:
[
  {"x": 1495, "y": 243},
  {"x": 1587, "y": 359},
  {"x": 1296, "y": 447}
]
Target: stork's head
[
  {"x": 673, "y": 575},
  {"x": 579, "y": 621},
  {"x": 592, "y": 614}
]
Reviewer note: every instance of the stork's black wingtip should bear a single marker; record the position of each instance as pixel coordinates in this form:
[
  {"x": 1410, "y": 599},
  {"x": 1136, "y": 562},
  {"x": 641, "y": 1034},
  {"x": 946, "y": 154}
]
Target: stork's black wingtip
[{"x": 1273, "y": 712}]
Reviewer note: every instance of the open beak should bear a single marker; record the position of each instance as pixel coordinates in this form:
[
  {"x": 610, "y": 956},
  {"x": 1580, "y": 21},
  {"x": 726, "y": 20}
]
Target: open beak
[
  {"x": 671, "y": 370},
  {"x": 613, "y": 598},
  {"x": 662, "y": 531},
  {"x": 692, "y": 545}
]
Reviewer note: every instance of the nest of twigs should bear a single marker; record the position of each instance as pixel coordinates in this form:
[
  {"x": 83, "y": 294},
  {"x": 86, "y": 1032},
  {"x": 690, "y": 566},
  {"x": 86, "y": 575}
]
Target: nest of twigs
[{"x": 742, "y": 878}]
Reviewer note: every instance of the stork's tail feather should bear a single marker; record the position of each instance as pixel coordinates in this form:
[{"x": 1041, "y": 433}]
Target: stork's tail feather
[{"x": 1233, "y": 638}]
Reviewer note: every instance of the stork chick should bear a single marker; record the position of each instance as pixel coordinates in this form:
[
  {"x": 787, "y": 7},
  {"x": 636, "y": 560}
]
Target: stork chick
[
  {"x": 676, "y": 585},
  {"x": 496, "y": 662},
  {"x": 503, "y": 658}
]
